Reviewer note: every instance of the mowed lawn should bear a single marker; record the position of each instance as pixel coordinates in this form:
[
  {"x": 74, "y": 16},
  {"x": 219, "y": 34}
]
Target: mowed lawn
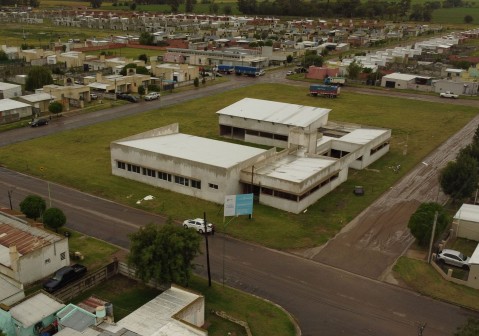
[{"x": 81, "y": 159}]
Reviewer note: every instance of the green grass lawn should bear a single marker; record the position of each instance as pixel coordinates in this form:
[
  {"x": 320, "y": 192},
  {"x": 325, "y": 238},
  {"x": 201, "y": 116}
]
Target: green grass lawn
[
  {"x": 81, "y": 159},
  {"x": 423, "y": 278}
]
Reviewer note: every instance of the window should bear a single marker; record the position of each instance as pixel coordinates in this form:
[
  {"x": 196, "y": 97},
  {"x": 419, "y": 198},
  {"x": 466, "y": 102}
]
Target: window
[
  {"x": 133, "y": 168},
  {"x": 213, "y": 186},
  {"x": 149, "y": 172},
  {"x": 182, "y": 180},
  {"x": 121, "y": 165},
  {"x": 62, "y": 256},
  {"x": 47, "y": 261},
  {"x": 164, "y": 176},
  {"x": 196, "y": 184}
]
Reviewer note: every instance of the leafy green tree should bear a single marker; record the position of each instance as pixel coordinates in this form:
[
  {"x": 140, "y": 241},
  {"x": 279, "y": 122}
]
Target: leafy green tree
[
  {"x": 174, "y": 4},
  {"x": 146, "y": 39},
  {"x": 214, "y": 8},
  {"x": 95, "y": 3},
  {"x": 164, "y": 254},
  {"x": 188, "y": 6},
  {"x": 459, "y": 178},
  {"x": 354, "y": 69},
  {"x": 143, "y": 58},
  {"x": 133, "y": 6},
  {"x": 475, "y": 139},
  {"x": 227, "y": 9},
  {"x": 470, "y": 328},
  {"x": 3, "y": 56},
  {"x": 141, "y": 90},
  {"x": 421, "y": 222},
  {"x": 54, "y": 218},
  {"x": 312, "y": 58},
  {"x": 55, "y": 107},
  {"x": 38, "y": 77},
  {"x": 289, "y": 59},
  {"x": 468, "y": 19},
  {"x": 33, "y": 206},
  {"x": 139, "y": 69},
  {"x": 247, "y": 6}
]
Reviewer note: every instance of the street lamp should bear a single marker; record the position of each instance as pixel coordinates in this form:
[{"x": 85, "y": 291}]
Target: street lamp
[{"x": 10, "y": 192}]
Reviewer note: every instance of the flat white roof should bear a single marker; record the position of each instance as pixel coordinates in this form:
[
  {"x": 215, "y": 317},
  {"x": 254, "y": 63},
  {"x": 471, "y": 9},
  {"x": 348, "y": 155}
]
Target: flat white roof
[
  {"x": 362, "y": 136},
  {"x": 275, "y": 112},
  {"x": 10, "y": 104},
  {"x": 401, "y": 76},
  {"x": 197, "y": 149},
  {"x": 35, "y": 309},
  {"x": 295, "y": 169},
  {"x": 6, "y": 86},
  {"x": 37, "y": 97},
  {"x": 98, "y": 85},
  {"x": 475, "y": 256},
  {"x": 155, "y": 317},
  {"x": 468, "y": 212}
]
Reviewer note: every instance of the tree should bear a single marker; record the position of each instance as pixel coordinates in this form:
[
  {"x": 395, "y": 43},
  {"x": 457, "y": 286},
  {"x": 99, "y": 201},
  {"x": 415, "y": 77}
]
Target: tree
[
  {"x": 174, "y": 4},
  {"x": 354, "y": 69},
  {"x": 468, "y": 19},
  {"x": 146, "y": 39},
  {"x": 38, "y": 77},
  {"x": 475, "y": 139},
  {"x": 164, "y": 254},
  {"x": 95, "y": 3},
  {"x": 3, "y": 56},
  {"x": 54, "y": 218},
  {"x": 459, "y": 178},
  {"x": 470, "y": 328},
  {"x": 289, "y": 59},
  {"x": 312, "y": 58},
  {"x": 141, "y": 90},
  {"x": 139, "y": 69},
  {"x": 33, "y": 206},
  {"x": 247, "y": 6},
  {"x": 214, "y": 8},
  {"x": 133, "y": 6},
  {"x": 227, "y": 9},
  {"x": 143, "y": 58},
  {"x": 55, "y": 107},
  {"x": 421, "y": 222},
  {"x": 188, "y": 6}
]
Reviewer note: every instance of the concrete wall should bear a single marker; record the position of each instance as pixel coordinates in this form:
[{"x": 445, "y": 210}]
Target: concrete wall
[
  {"x": 11, "y": 92},
  {"x": 467, "y": 229}
]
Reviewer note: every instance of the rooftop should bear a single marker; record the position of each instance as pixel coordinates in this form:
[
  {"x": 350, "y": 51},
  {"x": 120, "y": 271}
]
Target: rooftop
[
  {"x": 468, "y": 212},
  {"x": 10, "y": 104},
  {"x": 275, "y": 112},
  {"x": 34, "y": 309},
  {"x": 363, "y": 136},
  {"x": 6, "y": 86}
]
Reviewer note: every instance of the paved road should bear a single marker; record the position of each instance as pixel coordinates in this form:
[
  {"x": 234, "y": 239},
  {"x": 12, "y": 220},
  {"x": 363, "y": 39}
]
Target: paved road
[{"x": 324, "y": 300}]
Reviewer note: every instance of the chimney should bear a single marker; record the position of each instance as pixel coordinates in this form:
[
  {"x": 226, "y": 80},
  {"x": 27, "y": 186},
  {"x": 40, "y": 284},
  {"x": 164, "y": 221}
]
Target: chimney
[{"x": 14, "y": 256}]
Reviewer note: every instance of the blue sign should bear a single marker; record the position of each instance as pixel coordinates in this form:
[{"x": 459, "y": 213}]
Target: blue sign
[{"x": 236, "y": 205}]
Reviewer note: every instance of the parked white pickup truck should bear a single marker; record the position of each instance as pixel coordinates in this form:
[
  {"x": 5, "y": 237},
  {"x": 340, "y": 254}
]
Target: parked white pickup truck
[{"x": 449, "y": 94}]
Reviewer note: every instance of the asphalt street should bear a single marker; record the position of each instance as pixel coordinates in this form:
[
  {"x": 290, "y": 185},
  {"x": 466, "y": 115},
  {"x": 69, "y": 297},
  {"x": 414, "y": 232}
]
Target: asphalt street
[{"x": 325, "y": 300}]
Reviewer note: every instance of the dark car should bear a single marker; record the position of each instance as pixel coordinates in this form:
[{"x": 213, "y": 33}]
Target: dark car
[
  {"x": 131, "y": 99},
  {"x": 39, "y": 122},
  {"x": 64, "y": 276}
]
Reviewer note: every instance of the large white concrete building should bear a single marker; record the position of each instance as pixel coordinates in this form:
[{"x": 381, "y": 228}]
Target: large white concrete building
[
  {"x": 8, "y": 90},
  {"x": 316, "y": 157}
]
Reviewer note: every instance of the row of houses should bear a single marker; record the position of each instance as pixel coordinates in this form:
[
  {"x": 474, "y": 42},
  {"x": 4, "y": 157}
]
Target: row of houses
[{"x": 29, "y": 253}]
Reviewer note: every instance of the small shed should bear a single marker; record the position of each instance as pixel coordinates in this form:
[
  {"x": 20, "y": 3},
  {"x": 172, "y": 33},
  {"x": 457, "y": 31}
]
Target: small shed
[
  {"x": 8, "y": 90},
  {"x": 12, "y": 110},
  {"x": 466, "y": 222}
]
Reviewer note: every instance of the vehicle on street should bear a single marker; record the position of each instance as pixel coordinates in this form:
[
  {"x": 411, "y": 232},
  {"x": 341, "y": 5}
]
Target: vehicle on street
[
  {"x": 198, "y": 225},
  {"x": 93, "y": 96},
  {"x": 127, "y": 96},
  {"x": 64, "y": 276},
  {"x": 39, "y": 122},
  {"x": 152, "y": 96},
  {"x": 322, "y": 90},
  {"x": 289, "y": 73},
  {"x": 448, "y": 94},
  {"x": 454, "y": 258}
]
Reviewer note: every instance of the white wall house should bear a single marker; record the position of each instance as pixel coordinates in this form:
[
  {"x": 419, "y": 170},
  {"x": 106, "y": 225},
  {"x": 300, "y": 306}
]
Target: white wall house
[
  {"x": 28, "y": 253},
  {"x": 12, "y": 110},
  {"x": 466, "y": 222},
  {"x": 8, "y": 90}
]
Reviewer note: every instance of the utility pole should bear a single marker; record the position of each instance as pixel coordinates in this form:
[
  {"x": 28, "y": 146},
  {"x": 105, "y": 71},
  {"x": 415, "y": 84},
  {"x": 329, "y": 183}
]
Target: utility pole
[
  {"x": 207, "y": 249},
  {"x": 10, "y": 192},
  {"x": 432, "y": 237}
]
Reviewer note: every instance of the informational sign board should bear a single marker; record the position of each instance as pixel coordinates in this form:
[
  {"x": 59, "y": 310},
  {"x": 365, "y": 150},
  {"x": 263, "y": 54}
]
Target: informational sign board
[{"x": 236, "y": 205}]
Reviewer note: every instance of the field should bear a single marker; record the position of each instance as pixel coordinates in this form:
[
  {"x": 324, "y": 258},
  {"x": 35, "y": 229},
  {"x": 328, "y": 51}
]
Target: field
[{"x": 420, "y": 130}]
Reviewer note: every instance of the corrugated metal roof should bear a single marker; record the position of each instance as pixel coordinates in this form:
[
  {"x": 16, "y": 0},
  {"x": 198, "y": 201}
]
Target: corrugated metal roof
[
  {"x": 275, "y": 112},
  {"x": 10, "y": 104},
  {"x": 35, "y": 309},
  {"x": 23, "y": 240},
  {"x": 196, "y": 149}
]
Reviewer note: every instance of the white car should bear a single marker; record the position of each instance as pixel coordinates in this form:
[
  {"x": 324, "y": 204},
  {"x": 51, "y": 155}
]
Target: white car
[
  {"x": 198, "y": 225},
  {"x": 454, "y": 258},
  {"x": 448, "y": 94},
  {"x": 152, "y": 96},
  {"x": 289, "y": 73}
]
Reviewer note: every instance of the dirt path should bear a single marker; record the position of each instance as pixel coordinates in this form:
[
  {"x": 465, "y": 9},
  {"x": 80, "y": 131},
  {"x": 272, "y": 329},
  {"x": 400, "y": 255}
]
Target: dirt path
[{"x": 370, "y": 244}]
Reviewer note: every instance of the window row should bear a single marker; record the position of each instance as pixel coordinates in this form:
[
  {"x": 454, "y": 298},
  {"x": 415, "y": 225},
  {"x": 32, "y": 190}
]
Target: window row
[
  {"x": 187, "y": 182},
  {"x": 378, "y": 148}
]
